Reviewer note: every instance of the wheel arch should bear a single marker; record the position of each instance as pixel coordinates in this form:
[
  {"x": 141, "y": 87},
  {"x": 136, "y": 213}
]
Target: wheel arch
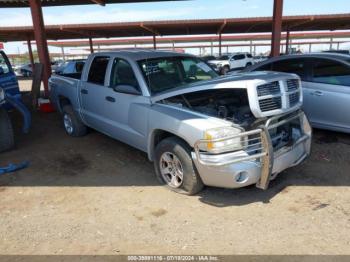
[
  {"x": 63, "y": 101},
  {"x": 156, "y": 136}
]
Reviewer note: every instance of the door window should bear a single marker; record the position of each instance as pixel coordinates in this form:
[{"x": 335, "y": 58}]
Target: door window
[
  {"x": 98, "y": 70},
  {"x": 331, "y": 72},
  {"x": 238, "y": 57},
  {"x": 123, "y": 74},
  {"x": 294, "y": 66},
  {"x": 4, "y": 66}
]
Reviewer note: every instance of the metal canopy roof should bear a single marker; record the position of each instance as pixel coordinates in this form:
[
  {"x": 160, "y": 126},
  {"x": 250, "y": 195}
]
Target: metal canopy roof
[
  {"x": 180, "y": 27},
  {"x": 201, "y": 39},
  {"x": 25, "y": 3}
]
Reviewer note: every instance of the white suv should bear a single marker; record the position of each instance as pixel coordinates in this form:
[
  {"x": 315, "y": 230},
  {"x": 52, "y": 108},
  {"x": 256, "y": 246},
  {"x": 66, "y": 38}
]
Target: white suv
[
  {"x": 241, "y": 60},
  {"x": 231, "y": 61}
]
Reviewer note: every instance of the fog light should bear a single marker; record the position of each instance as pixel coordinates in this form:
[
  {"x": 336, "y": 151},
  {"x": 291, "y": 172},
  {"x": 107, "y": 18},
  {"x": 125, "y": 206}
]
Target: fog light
[{"x": 241, "y": 177}]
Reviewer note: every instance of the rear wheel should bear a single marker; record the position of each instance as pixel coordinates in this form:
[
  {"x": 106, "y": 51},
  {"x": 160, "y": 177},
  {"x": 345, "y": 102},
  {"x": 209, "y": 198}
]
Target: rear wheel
[
  {"x": 174, "y": 167},
  {"x": 72, "y": 123},
  {"x": 248, "y": 64},
  {"x": 7, "y": 140}
]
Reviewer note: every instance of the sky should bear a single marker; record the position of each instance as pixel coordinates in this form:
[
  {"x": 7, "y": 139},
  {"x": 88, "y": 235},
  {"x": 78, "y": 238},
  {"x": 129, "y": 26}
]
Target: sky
[{"x": 194, "y": 9}]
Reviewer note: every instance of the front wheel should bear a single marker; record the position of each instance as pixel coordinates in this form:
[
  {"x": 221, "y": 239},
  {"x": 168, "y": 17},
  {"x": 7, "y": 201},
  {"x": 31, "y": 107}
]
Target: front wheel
[
  {"x": 225, "y": 69},
  {"x": 174, "y": 167},
  {"x": 6, "y": 132}
]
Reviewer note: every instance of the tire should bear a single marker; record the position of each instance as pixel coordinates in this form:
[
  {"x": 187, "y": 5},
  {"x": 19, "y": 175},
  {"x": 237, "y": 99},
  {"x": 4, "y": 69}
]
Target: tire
[
  {"x": 71, "y": 122},
  {"x": 191, "y": 182},
  {"x": 248, "y": 64},
  {"x": 7, "y": 140},
  {"x": 225, "y": 69}
]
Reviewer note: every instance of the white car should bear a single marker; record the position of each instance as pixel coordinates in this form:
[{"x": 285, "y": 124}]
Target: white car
[{"x": 228, "y": 62}]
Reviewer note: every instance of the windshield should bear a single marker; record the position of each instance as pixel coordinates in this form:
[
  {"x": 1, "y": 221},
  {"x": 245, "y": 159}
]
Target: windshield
[{"x": 166, "y": 73}]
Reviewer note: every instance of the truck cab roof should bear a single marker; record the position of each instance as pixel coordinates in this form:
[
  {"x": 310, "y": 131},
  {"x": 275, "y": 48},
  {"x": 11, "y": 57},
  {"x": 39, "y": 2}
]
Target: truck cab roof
[{"x": 142, "y": 54}]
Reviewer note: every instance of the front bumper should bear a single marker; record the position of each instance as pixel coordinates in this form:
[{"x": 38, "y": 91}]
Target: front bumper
[{"x": 243, "y": 168}]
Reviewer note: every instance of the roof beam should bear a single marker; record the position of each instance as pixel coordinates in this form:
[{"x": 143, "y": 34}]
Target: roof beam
[
  {"x": 149, "y": 29},
  {"x": 86, "y": 33},
  {"x": 222, "y": 27}
]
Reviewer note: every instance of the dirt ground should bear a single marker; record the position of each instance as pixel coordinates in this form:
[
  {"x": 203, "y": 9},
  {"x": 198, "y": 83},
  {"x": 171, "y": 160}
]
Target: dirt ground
[{"x": 95, "y": 195}]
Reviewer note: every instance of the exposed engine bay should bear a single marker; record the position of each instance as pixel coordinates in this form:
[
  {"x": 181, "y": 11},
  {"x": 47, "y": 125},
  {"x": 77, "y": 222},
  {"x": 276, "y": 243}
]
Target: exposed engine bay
[
  {"x": 233, "y": 105},
  {"x": 228, "y": 104}
]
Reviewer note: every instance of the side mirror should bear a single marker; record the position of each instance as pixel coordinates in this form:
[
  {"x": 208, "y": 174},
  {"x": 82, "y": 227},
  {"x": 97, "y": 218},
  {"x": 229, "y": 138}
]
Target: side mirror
[
  {"x": 2, "y": 71},
  {"x": 127, "y": 89}
]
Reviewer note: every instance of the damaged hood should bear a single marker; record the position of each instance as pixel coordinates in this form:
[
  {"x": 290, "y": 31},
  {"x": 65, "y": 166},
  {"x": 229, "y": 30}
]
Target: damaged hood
[{"x": 239, "y": 80}]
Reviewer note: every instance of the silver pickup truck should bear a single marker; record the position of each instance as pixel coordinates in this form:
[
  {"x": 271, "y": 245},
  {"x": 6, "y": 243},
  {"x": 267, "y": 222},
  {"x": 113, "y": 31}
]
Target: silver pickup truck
[{"x": 198, "y": 128}]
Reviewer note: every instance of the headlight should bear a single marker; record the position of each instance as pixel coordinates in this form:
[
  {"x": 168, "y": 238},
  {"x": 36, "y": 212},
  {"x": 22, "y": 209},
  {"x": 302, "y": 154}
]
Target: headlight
[
  {"x": 224, "y": 139},
  {"x": 2, "y": 94}
]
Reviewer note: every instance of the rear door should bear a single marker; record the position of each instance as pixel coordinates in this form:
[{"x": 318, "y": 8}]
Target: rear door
[
  {"x": 328, "y": 91},
  {"x": 117, "y": 114},
  {"x": 238, "y": 61},
  {"x": 8, "y": 79},
  {"x": 93, "y": 94}
]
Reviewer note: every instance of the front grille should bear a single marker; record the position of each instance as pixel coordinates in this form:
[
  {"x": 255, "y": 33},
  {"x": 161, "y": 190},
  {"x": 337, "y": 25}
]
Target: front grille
[
  {"x": 269, "y": 89},
  {"x": 278, "y": 95},
  {"x": 292, "y": 85},
  {"x": 294, "y": 99},
  {"x": 270, "y": 104}
]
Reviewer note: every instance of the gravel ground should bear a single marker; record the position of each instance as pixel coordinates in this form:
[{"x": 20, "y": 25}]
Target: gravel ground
[{"x": 95, "y": 195}]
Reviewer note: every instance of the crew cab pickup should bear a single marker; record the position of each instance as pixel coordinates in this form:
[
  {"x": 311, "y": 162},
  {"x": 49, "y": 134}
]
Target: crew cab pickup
[{"x": 198, "y": 128}]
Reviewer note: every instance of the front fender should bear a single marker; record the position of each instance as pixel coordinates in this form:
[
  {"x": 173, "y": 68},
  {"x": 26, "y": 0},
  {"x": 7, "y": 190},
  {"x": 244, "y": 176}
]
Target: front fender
[{"x": 185, "y": 124}]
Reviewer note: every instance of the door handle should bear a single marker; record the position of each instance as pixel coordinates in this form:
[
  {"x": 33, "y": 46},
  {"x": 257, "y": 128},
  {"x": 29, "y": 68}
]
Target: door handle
[
  {"x": 317, "y": 93},
  {"x": 110, "y": 99},
  {"x": 84, "y": 91}
]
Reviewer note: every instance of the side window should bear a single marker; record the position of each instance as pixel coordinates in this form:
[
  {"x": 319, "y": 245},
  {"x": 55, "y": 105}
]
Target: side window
[
  {"x": 249, "y": 56},
  {"x": 4, "y": 66},
  {"x": 238, "y": 57},
  {"x": 267, "y": 67},
  {"x": 195, "y": 70},
  {"x": 69, "y": 69},
  {"x": 79, "y": 67},
  {"x": 295, "y": 66},
  {"x": 331, "y": 72},
  {"x": 123, "y": 74},
  {"x": 98, "y": 70}
]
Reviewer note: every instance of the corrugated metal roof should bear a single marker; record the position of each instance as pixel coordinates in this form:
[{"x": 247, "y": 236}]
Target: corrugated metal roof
[{"x": 180, "y": 27}]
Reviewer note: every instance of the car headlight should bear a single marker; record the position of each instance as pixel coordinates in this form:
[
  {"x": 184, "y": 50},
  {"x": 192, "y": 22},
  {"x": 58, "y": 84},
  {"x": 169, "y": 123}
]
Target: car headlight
[
  {"x": 2, "y": 95},
  {"x": 224, "y": 139}
]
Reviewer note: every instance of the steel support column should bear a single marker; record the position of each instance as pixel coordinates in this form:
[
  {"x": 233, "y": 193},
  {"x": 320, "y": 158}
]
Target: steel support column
[
  {"x": 30, "y": 52},
  {"x": 287, "y": 41},
  {"x": 63, "y": 55},
  {"x": 91, "y": 45},
  {"x": 310, "y": 48},
  {"x": 276, "y": 27},
  {"x": 331, "y": 44},
  {"x": 220, "y": 44},
  {"x": 154, "y": 42},
  {"x": 41, "y": 43}
]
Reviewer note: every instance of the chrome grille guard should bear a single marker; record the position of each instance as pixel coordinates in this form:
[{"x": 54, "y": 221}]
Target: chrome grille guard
[{"x": 261, "y": 149}]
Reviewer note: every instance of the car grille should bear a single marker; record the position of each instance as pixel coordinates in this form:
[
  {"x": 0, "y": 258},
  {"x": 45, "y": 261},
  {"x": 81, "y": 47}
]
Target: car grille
[
  {"x": 269, "y": 104},
  {"x": 278, "y": 95},
  {"x": 269, "y": 88},
  {"x": 292, "y": 84},
  {"x": 294, "y": 99}
]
